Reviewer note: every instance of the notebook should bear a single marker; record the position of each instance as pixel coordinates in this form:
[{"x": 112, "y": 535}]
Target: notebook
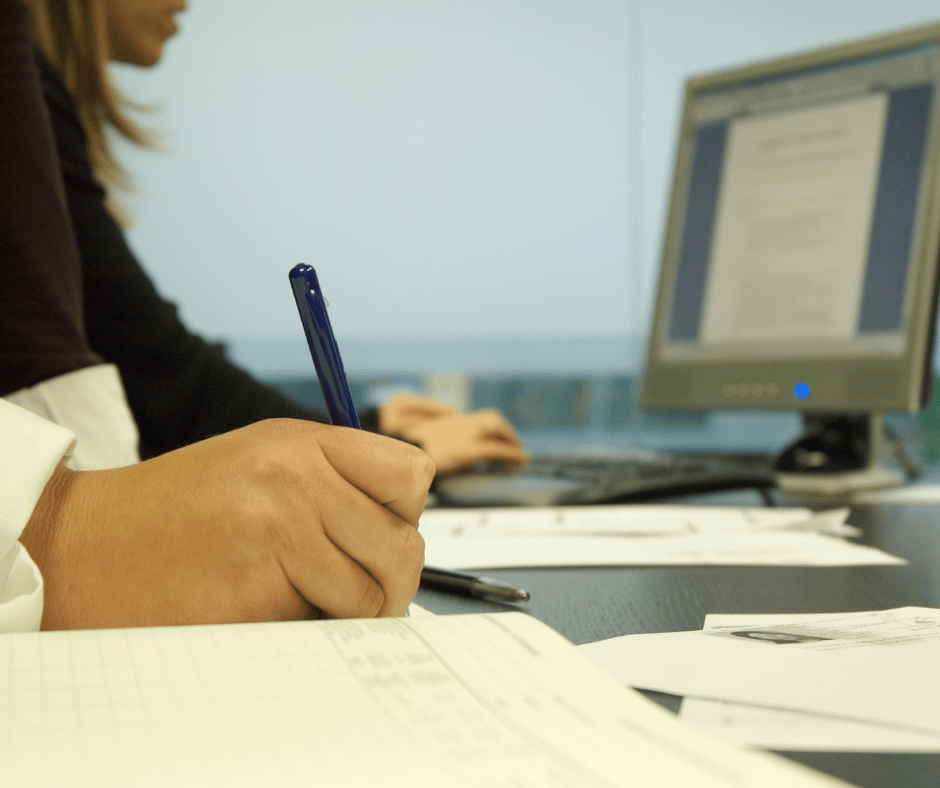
[{"x": 472, "y": 700}]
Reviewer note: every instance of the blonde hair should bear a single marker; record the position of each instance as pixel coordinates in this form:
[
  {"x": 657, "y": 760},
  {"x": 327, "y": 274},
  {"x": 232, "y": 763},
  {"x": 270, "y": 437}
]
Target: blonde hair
[{"x": 73, "y": 35}]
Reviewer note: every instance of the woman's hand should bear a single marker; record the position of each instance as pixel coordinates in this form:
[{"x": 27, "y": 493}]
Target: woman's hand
[{"x": 454, "y": 440}]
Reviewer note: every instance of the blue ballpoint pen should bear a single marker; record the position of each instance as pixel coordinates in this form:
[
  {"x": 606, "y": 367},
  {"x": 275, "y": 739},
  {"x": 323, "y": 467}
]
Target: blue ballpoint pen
[
  {"x": 323, "y": 347},
  {"x": 342, "y": 410}
]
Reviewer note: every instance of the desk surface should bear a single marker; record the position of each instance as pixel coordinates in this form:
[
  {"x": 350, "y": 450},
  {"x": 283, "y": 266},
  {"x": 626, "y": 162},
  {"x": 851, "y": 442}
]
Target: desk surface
[{"x": 597, "y": 603}]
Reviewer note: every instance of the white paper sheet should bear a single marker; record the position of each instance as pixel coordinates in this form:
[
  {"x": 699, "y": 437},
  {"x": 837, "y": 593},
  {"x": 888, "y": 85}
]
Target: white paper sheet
[
  {"x": 797, "y": 731},
  {"x": 419, "y": 702},
  {"x": 911, "y": 493},
  {"x": 640, "y": 535},
  {"x": 629, "y": 520},
  {"x": 878, "y": 667},
  {"x": 771, "y": 729}
]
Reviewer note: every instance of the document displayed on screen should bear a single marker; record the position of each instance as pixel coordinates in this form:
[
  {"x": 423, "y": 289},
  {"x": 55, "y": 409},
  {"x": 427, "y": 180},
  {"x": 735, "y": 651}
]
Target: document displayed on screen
[{"x": 793, "y": 223}]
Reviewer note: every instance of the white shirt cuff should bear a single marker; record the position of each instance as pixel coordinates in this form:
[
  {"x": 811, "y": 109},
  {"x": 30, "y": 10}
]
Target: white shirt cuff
[
  {"x": 91, "y": 403},
  {"x": 30, "y": 449}
]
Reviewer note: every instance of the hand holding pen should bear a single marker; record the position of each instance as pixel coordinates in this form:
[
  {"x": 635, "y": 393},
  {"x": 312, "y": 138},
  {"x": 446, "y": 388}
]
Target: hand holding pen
[{"x": 329, "y": 366}]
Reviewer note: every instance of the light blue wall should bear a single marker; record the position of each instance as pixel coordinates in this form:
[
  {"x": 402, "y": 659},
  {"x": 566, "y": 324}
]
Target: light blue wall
[{"x": 455, "y": 169}]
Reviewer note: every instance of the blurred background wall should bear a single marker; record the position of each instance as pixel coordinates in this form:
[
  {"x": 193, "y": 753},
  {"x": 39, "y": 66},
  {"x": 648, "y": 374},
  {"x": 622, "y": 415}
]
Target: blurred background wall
[{"x": 481, "y": 184}]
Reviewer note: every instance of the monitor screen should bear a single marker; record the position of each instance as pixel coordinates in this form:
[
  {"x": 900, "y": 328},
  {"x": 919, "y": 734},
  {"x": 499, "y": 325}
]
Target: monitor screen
[{"x": 799, "y": 265}]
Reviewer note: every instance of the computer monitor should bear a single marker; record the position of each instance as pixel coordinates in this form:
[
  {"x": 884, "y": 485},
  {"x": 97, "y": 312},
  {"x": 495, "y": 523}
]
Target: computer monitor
[{"x": 800, "y": 259}]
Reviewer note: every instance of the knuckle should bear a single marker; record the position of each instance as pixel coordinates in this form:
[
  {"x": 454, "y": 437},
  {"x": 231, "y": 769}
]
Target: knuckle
[
  {"x": 371, "y": 599},
  {"x": 259, "y": 517},
  {"x": 263, "y": 495},
  {"x": 421, "y": 470},
  {"x": 412, "y": 550},
  {"x": 271, "y": 458},
  {"x": 490, "y": 418}
]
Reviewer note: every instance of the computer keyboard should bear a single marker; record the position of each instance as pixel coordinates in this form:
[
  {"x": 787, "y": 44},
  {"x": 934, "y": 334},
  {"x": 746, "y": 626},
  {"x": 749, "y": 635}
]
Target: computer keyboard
[{"x": 583, "y": 479}]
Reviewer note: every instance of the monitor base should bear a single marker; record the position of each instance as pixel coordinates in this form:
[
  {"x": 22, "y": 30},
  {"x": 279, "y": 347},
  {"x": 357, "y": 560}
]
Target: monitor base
[
  {"x": 840, "y": 484},
  {"x": 837, "y": 455}
]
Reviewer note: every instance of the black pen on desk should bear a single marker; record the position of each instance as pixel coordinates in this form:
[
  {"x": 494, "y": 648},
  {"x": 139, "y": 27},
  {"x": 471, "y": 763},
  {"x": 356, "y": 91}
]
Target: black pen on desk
[
  {"x": 339, "y": 403},
  {"x": 472, "y": 585}
]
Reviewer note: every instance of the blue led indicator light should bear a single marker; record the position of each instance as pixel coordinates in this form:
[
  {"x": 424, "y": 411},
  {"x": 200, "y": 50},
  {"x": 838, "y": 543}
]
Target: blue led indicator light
[{"x": 801, "y": 390}]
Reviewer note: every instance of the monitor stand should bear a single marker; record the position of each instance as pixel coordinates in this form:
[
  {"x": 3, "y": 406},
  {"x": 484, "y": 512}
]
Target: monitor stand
[{"x": 838, "y": 454}]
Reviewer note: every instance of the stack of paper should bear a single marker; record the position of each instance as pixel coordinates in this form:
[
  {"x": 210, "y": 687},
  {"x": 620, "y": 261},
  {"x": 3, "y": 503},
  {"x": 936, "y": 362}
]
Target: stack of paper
[
  {"x": 853, "y": 681},
  {"x": 641, "y": 535},
  {"x": 418, "y": 702}
]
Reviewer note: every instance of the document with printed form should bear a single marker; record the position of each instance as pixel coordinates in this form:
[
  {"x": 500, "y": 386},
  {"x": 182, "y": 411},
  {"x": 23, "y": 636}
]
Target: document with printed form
[
  {"x": 859, "y": 681},
  {"x": 425, "y": 702},
  {"x": 771, "y": 729}
]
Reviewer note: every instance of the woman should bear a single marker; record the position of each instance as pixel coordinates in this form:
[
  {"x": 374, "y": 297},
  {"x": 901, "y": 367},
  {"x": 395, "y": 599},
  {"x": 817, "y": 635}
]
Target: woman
[{"x": 180, "y": 388}]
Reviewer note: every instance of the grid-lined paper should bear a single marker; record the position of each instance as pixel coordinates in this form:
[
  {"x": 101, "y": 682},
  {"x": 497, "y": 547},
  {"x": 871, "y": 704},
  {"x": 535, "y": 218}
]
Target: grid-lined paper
[{"x": 494, "y": 700}]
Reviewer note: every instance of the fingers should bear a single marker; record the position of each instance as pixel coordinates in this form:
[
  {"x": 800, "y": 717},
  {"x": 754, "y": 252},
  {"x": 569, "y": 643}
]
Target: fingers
[
  {"x": 406, "y": 410},
  {"x": 368, "y": 558},
  {"x": 356, "y": 551},
  {"x": 454, "y": 458},
  {"x": 459, "y": 441},
  {"x": 453, "y": 439},
  {"x": 487, "y": 450},
  {"x": 495, "y": 440},
  {"x": 356, "y": 560},
  {"x": 408, "y": 402},
  {"x": 493, "y": 426},
  {"x": 392, "y": 473}
]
